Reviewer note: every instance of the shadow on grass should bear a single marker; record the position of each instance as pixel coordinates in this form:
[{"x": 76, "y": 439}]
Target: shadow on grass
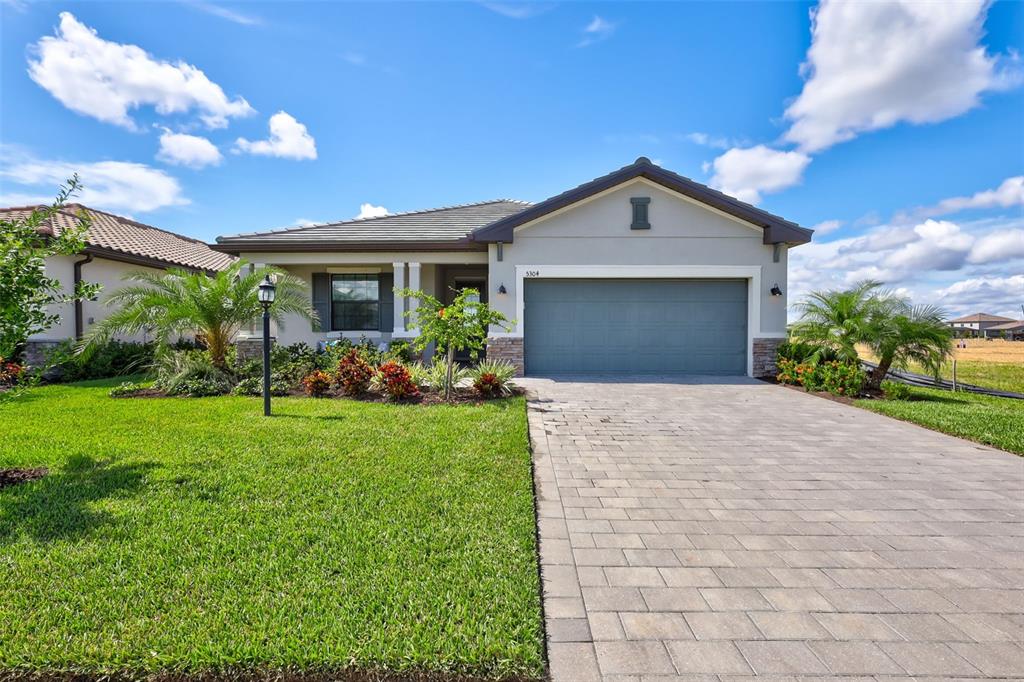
[
  {"x": 317, "y": 417},
  {"x": 933, "y": 398},
  {"x": 57, "y": 506}
]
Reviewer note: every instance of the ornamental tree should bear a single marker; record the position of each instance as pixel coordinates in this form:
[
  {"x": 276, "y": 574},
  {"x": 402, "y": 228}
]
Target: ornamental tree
[
  {"x": 459, "y": 325},
  {"x": 27, "y": 295}
]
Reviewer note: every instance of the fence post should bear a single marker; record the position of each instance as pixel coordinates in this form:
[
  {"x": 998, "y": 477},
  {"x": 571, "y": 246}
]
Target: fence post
[{"x": 954, "y": 375}]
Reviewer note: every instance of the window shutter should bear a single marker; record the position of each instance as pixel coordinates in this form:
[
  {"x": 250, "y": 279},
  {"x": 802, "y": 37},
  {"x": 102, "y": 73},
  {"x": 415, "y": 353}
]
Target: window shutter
[
  {"x": 387, "y": 302},
  {"x": 640, "y": 219},
  {"x": 322, "y": 301}
]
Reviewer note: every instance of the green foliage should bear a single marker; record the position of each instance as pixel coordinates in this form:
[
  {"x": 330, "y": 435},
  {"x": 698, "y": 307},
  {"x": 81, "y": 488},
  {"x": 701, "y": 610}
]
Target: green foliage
[
  {"x": 838, "y": 378},
  {"x": 317, "y": 383},
  {"x": 908, "y": 334},
  {"x": 419, "y": 374},
  {"x": 839, "y": 320},
  {"x": 443, "y": 379},
  {"x": 109, "y": 359},
  {"x": 212, "y": 307},
  {"x": 461, "y": 325},
  {"x": 400, "y": 350},
  {"x": 125, "y": 389},
  {"x": 253, "y": 386},
  {"x": 26, "y": 293},
  {"x": 396, "y": 381},
  {"x": 184, "y": 539},
  {"x": 11, "y": 373},
  {"x": 805, "y": 352},
  {"x": 894, "y": 390},
  {"x": 191, "y": 373},
  {"x": 354, "y": 373},
  {"x": 492, "y": 377}
]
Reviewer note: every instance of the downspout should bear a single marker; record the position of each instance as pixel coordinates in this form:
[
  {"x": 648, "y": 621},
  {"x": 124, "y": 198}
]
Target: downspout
[{"x": 79, "y": 322}]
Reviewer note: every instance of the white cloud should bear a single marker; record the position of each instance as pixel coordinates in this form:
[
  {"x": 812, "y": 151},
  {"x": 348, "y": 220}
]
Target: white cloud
[
  {"x": 597, "y": 30},
  {"x": 1009, "y": 193},
  {"x": 193, "y": 151},
  {"x": 872, "y": 65},
  {"x": 518, "y": 10},
  {"x": 225, "y": 13},
  {"x": 288, "y": 139},
  {"x": 748, "y": 173},
  {"x": 706, "y": 140},
  {"x": 371, "y": 211},
  {"x": 826, "y": 226},
  {"x": 940, "y": 245},
  {"x": 354, "y": 58},
  {"x": 106, "y": 80},
  {"x": 998, "y": 246},
  {"x": 994, "y": 295},
  {"x": 305, "y": 222},
  {"x": 111, "y": 185}
]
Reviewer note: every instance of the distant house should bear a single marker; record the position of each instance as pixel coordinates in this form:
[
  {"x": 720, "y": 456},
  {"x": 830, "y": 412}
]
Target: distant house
[
  {"x": 114, "y": 246},
  {"x": 1013, "y": 331},
  {"x": 977, "y": 324}
]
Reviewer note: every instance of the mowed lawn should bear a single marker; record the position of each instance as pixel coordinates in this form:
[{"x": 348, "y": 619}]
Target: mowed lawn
[
  {"x": 994, "y": 421},
  {"x": 994, "y": 363},
  {"x": 196, "y": 535}
]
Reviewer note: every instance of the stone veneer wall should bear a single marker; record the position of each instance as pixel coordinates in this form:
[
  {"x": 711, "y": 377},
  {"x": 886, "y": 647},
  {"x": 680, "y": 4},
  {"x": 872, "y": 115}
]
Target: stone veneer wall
[
  {"x": 765, "y": 356},
  {"x": 36, "y": 352},
  {"x": 509, "y": 349},
  {"x": 250, "y": 348}
]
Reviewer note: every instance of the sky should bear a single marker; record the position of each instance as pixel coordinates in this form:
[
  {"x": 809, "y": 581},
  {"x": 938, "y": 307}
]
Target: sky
[{"x": 896, "y": 129}]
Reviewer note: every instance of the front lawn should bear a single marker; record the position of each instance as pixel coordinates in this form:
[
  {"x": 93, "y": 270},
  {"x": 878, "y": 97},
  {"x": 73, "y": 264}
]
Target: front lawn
[
  {"x": 994, "y": 421},
  {"x": 195, "y": 535}
]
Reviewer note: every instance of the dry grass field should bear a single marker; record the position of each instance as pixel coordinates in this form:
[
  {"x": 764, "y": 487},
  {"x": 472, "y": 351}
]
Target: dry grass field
[{"x": 992, "y": 363}]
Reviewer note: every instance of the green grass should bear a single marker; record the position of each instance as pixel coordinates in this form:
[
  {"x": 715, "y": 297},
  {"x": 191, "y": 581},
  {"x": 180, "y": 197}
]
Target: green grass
[
  {"x": 194, "y": 535},
  {"x": 994, "y": 421}
]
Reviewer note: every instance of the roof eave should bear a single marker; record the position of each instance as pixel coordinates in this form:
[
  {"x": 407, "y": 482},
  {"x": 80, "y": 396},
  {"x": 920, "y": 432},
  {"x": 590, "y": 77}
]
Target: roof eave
[
  {"x": 776, "y": 230},
  {"x": 238, "y": 247}
]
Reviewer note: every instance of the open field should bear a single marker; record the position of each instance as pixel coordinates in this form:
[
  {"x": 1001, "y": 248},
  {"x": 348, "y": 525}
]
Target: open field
[
  {"x": 994, "y": 364},
  {"x": 194, "y": 535}
]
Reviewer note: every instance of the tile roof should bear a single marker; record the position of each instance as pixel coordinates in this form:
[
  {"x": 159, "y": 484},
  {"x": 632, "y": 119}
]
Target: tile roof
[
  {"x": 1008, "y": 326},
  {"x": 120, "y": 235},
  {"x": 983, "y": 317},
  {"x": 446, "y": 226}
]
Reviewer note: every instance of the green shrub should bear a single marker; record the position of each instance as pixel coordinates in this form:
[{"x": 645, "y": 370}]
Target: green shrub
[
  {"x": 107, "y": 359},
  {"x": 894, "y": 390},
  {"x": 402, "y": 351},
  {"x": 191, "y": 373},
  {"x": 253, "y": 386},
  {"x": 805, "y": 353},
  {"x": 493, "y": 378},
  {"x": 125, "y": 389},
  {"x": 437, "y": 376},
  {"x": 839, "y": 378}
]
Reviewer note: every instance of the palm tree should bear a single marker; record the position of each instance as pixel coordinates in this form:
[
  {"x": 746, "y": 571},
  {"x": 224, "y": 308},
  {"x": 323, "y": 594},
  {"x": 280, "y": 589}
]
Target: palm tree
[
  {"x": 841, "y": 319},
  {"x": 212, "y": 307},
  {"x": 907, "y": 333}
]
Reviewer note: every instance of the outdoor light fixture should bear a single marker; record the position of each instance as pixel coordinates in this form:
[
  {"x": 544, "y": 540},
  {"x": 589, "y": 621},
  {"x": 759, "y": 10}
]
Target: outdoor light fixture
[
  {"x": 501, "y": 289},
  {"x": 776, "y": 291},
  {"x": 266, "y": 292}
]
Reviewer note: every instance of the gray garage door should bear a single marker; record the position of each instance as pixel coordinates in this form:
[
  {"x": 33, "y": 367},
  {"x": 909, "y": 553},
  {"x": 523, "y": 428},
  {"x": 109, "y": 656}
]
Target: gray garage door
[{"x": 636, "y": 326}]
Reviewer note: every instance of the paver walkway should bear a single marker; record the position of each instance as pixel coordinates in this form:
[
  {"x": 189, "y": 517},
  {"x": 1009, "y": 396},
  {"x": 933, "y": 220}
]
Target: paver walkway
[{"x": 695, "y": 530}]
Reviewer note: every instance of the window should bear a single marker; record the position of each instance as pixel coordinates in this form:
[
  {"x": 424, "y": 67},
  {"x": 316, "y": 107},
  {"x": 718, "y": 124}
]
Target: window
[
  {"x": 640, "y": 221},
  {"x": 355, "y": 302}
]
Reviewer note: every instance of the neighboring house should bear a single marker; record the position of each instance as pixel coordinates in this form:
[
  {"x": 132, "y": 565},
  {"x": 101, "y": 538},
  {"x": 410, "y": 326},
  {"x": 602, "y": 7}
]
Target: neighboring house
[
  {"x": 1014, "y": 331},
  {"x": 114, "y": 247},
  {"x": 977, "y": 324},
  {"x": 639, "y": 271}
]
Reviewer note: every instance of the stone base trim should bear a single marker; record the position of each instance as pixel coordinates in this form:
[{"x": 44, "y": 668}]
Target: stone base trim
[
  {"x": 765, "y": 356},
  {"x": 37, "y": 353},
  {"x": 250, "y": 348},
  {"x": 507, "y": 349}
]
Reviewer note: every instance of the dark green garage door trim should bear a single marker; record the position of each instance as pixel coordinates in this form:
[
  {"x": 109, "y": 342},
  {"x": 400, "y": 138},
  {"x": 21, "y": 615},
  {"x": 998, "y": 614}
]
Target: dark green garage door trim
[{"x": 635, "y": 326}]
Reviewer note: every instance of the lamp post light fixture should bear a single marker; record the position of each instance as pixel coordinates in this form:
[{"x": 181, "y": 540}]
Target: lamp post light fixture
[{"x": 266, "y": 292}]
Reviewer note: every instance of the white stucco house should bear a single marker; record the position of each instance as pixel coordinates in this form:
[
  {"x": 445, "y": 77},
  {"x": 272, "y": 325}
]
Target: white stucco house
[
  {"x": 114, "y": 246},
  {"x": 638, "y": 271}
]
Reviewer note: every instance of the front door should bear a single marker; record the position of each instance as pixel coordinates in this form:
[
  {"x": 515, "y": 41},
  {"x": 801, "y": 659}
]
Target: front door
[{"x": 480, "y": 284}]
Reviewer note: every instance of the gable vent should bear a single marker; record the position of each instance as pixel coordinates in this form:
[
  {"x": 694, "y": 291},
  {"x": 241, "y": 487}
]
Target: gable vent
[{"x": 640, "y": 219}]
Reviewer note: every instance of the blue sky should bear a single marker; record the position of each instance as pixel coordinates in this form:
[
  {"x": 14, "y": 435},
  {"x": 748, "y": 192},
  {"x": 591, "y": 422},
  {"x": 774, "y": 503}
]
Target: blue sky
[{"x": 901, "y": 136}]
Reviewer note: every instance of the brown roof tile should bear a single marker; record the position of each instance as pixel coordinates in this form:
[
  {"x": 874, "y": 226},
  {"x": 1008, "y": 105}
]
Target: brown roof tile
[{"x": 122, "y": 235}]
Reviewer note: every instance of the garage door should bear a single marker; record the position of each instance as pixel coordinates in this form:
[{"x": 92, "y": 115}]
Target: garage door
[{"x": 637, "y": 326}]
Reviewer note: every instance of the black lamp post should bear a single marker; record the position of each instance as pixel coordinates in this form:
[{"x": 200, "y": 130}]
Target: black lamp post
[{"x": 266, "y": 293}]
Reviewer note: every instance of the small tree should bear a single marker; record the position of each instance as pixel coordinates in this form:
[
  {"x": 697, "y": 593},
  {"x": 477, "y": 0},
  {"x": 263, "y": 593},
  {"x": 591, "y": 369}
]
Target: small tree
[
  {"x": 906, "y": 333},
  {"x": 839, "y": 320},
  {"x": 26, "y": 293},
  {"x": 460, "y": 325}
]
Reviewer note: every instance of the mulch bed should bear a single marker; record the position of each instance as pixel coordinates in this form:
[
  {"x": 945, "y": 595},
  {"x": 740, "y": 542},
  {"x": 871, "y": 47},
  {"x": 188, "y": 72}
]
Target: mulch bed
[
  {"x": 844, "y": 399},
  {"x": 10, "y": 477}
]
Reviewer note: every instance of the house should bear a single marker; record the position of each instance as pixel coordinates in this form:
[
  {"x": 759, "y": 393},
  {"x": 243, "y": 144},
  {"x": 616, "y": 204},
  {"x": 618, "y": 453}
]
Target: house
[
  {"x": 1013, "y": 330},
  {"x": 976, "y": 324},
  {"x": 114, "y": 246},
  {"x": 638, "y": 271}
]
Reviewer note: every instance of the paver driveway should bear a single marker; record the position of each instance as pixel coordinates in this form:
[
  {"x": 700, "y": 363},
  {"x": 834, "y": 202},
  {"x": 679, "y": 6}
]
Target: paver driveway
[{"x": 739, "y": 528}]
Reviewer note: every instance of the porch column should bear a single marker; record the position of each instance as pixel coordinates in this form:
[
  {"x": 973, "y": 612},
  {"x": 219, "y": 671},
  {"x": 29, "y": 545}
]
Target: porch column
[
  {"x": 399, "y": 299},
  {"x": 414, "y": 284}
]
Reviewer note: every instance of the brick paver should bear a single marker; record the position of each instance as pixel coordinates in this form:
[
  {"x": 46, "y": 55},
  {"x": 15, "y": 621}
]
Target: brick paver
[{"x": 722, "y": 529}]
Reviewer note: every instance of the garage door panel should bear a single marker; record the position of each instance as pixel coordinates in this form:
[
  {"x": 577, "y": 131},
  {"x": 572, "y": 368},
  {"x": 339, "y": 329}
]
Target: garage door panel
[{"x": 636, "y": 326}]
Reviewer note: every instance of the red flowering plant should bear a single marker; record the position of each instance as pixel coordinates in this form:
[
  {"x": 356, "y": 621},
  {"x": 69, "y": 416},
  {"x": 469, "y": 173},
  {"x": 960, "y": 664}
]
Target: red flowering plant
[
  {"x": 316, "y": 384},
  {"x": 354, "y": 373},
  {"x": 10, "y": 372},
  {"x": 396, "y": 381}
]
